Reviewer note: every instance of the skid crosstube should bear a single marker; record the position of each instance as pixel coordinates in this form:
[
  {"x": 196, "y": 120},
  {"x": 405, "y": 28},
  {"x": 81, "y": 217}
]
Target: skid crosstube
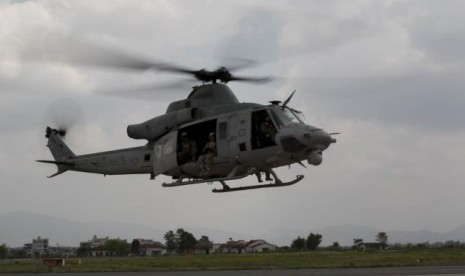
[
  {"x": 231, "y": 176},
  {"x": 243, "y": 188}
]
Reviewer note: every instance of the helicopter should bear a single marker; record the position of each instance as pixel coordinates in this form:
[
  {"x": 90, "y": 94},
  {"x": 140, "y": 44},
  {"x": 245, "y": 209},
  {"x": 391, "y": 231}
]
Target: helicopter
[{"x": 207, "y": 137}]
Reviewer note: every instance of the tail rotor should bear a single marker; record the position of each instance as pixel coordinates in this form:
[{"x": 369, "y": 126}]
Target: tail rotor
[{"x": 63, "y": 114}]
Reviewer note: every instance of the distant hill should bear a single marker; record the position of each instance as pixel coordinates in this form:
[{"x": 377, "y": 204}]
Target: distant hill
[
  {"x": 18, "y": 228},
  {"x": 345, "y": 234}
]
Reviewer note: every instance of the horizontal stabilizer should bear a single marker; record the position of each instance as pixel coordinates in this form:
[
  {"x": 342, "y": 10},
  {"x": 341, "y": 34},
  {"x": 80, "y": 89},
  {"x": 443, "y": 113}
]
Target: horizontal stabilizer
[
  {"x": 60, "y": 165},
  {"x": 57, "y": 162}
]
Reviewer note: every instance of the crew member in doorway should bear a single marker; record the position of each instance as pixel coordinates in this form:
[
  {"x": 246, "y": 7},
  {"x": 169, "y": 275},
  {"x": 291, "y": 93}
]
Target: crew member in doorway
[
  {"x": 187, "y": 149},
  {"x": 268, "y": 131},
  {"x": 208, "y": 152}
]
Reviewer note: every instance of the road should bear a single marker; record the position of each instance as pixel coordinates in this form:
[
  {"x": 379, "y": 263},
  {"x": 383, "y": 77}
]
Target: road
[{"x": 430, "y": 271}]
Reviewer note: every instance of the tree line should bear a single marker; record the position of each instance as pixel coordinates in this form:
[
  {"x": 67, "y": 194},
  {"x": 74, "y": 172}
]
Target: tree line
[
  {"x": 313, "y": 241},
  {"x": 181, "y": 241},
  {"x": 178, "y": 241}
]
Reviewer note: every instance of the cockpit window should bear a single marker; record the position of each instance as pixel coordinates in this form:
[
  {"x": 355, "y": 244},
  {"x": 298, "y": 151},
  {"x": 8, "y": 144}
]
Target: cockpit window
[
  {"x": 300, "y": 116},
  {"x": 285, "y": 117},
  {"x": 291, "y": 115},
  {"x": 277, "y": 119}
]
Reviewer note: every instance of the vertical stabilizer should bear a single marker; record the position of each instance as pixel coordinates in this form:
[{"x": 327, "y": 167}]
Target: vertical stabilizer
[
  {"x": 61, "y": 152},
  {"x": 58, "y": 148}
]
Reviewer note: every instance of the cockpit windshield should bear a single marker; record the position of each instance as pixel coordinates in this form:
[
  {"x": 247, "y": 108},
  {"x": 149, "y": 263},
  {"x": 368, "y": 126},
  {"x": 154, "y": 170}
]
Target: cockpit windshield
[
  {"x": 286, "y": 116},
  {"x": 293, "y": 115}
]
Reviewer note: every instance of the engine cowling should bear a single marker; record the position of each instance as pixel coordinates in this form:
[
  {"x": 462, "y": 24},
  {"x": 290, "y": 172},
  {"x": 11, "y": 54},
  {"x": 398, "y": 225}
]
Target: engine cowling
[{"x": 158, "y": 126}]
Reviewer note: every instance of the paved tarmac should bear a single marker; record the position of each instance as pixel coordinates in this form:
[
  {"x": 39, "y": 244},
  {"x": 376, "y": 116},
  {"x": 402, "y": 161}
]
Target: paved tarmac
[{"x": 430, "y": 271}]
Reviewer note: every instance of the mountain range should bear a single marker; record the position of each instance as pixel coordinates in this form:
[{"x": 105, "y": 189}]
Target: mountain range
[{"x": 18, "y": 228}]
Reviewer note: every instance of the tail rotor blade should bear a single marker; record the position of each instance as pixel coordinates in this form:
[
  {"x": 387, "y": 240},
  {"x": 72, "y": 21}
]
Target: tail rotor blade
[{"x": 64, "y": 113}]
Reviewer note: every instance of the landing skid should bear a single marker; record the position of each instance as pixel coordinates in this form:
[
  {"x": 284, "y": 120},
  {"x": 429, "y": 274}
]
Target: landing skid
[
  {"x": 278, "y": 183},
  {"x": 236, "y": 173},
  {"x": 232, "y": 176}
]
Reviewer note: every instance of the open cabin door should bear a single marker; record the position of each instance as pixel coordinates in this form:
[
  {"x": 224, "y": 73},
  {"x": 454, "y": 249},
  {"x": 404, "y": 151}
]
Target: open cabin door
[
  {"x": 222, "y": 137},
  {"x": 165, "y": 153}
]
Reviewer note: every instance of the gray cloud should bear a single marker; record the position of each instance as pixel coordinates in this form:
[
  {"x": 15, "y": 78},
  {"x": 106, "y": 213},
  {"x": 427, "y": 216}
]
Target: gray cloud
[
  {"x": 437, "y": 30},
  {"x": 427, "y": 101}
]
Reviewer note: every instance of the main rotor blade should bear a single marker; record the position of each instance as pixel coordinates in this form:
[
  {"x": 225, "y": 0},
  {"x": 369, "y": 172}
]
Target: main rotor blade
[
  {"x": 166, "y": 91},
  {"x": 236, "y": 63},
  {"x": 75, "y": 50},
  {"x": 259, "y": 80}
]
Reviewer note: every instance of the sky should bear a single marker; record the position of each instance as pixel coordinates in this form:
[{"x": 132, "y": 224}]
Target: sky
[{"x": 387, "y": 75}]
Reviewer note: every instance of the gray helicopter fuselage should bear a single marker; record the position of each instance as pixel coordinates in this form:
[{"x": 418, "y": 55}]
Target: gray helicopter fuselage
[
  {"x": 247, "y": 135},
  {"x": 239, "y": 141}
]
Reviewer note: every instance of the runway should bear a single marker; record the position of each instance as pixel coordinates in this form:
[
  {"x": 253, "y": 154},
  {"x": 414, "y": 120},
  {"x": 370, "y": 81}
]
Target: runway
[{"x": 430, "y": 271}]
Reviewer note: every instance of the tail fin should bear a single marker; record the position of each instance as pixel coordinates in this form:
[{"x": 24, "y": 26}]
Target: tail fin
[
  {"x": 61, "y": 152},
  {"x": 59, "y": 149}
]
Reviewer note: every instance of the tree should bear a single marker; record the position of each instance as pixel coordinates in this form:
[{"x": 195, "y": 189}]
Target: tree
[
  {"x": 135, "y": 245},
  {"x": 120, "y": 247},
  {"x": 204, "y": 240},
  {"x": 357, "y": 243},
  {"x": 180, "y": 241},
  {"x": 298, "y": 243},
  {"x": 111, "y": 245},
  {"x": 170, "y": 241},
  {"x": 123, "y": 248},
  {"x": 313, "y": 241},
  {"x": 335, "y": 245},
  {"x": 3, "y": 251},
  {"x": 382, "y": 237},
  {"x": 185, "y": 239}
]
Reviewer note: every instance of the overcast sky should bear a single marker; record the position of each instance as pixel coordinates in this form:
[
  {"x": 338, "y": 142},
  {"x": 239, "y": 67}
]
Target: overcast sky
[{"x": 388, "y": 75}]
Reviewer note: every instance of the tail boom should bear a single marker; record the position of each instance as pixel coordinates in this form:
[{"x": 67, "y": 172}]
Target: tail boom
[{"x": 135, "y": 160}]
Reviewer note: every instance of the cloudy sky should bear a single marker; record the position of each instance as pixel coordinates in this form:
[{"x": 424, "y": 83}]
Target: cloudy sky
[{"x": 388, "y": 75}]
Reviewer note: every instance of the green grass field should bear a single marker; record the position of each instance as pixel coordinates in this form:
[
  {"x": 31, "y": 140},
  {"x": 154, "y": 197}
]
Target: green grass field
[{"x": 314, "y": 259}]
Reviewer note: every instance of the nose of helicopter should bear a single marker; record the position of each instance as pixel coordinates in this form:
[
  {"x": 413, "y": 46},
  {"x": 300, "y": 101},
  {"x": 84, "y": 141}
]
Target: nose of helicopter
[
  {"x": 326, "y": 137},
  {"x": 318, "y": 140},
  {"x": 319, "y": 136},
  {"x": 307, "y": 137}
]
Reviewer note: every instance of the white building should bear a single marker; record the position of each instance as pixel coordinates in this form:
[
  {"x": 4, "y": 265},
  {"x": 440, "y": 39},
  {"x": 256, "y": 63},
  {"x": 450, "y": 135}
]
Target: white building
[
  {"x": 240, "y": 247},
  {"x": 38, "y": 246},
  {"x": 260, "y": 246},
  {"x": 151, "y": 248},
  {"x": 232, "y": 247},
  {"x": 94, "y": 242},
  {"x": 95, "y": 246}
]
